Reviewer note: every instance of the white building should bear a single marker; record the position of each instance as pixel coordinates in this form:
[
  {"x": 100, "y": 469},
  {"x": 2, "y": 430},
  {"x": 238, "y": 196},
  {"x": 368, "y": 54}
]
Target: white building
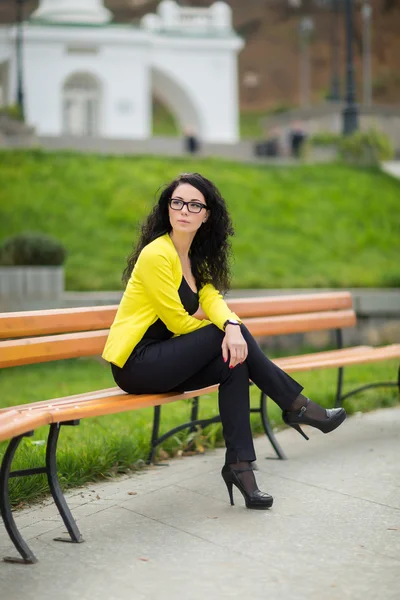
[{"x": 87, "y": 76}]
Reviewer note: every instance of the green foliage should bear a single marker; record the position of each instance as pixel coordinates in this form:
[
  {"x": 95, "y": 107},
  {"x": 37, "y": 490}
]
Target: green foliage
[
  {"x": 31, "y": 249},
  {"x": 366, "y": 148},
  {"x": 102, "y": 447},
  {"x": 12, "y": 111},
  {"x": 296, "y": 227},
  {"x": 325, "y": 138}
]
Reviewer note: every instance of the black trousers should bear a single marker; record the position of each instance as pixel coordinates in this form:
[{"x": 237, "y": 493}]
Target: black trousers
[{"x": 194, "y": 361}]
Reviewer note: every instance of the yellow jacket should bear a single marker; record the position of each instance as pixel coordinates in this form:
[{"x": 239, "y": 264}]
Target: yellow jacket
[{"x": 152, "y": 293}]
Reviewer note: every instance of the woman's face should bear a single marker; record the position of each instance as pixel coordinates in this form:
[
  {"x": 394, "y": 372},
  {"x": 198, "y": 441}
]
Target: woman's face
[{"x": 185, "y": 219}]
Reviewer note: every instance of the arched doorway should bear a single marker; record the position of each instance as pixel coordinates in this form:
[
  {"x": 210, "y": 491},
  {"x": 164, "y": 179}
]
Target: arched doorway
[
  {"x": 168, "y": 91},
  {"x": 81, "y": 105}
]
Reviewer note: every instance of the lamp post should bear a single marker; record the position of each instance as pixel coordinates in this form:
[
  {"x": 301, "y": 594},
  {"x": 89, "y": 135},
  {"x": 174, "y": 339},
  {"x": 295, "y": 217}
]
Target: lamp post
[
  {"x": 305, "y": 29},
  {"x": 350, "y": 111},
  {"x": 366, "y": 12},
  {"x": 19, "y": 53},
  {"x": 334, "y": 95}
]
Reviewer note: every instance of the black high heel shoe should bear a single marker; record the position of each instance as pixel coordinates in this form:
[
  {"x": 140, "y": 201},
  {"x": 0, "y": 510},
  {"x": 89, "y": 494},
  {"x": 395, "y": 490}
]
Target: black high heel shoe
[
  {"x": 334, "y": 418},
  {"x": 257, "y": 499}
]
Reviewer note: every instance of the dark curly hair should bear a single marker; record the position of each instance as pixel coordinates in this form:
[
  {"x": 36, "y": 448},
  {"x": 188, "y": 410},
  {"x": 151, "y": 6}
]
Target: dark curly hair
[{"x": 210, "y": 250}]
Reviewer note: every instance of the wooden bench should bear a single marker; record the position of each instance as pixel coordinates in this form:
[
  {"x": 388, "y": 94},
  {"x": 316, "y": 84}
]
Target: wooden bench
[{"x": 42, "y": 336}]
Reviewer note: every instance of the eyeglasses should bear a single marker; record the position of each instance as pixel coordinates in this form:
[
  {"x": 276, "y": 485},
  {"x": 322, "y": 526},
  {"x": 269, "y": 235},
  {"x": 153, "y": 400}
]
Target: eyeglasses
[{"x": 193, "y": 207}]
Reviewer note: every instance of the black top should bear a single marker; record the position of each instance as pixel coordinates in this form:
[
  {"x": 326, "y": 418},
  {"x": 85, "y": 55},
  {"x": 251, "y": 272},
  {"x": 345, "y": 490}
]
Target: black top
[{"x": 159, "y": 331}]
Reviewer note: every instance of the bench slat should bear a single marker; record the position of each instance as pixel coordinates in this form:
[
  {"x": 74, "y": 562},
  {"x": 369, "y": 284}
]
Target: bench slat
[
  {"x": 73, "y": 345},
  {"x": 16, "y": 423},
  {"x": 70, "y": 320},
  {"x": 376, "y": 355}
]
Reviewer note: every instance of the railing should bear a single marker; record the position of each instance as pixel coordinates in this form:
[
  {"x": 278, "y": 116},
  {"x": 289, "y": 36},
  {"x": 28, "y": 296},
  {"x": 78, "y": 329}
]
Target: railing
[{"x": 171, "y": 17}]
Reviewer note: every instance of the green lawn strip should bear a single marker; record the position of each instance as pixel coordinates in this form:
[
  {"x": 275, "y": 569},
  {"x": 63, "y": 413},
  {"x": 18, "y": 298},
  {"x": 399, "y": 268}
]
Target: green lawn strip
[
  {"x": 104, "y": 446},
  {"x": 296, "y": 227}
]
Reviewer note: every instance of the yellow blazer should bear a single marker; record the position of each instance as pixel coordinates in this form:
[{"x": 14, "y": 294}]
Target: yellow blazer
[{"x": 152, "y": 293}]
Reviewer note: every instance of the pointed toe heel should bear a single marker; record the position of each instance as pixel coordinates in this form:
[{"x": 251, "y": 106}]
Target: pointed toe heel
[{"x": 334, "y": 418}]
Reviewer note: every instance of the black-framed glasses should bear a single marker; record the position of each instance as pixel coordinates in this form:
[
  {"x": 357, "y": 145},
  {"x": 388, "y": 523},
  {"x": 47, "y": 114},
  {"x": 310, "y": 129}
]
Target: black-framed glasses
[{"x": 192, "y": 206}]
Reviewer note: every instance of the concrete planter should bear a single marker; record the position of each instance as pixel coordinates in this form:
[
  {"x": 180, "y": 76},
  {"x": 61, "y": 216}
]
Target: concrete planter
[{"x": 31, "y": 283}]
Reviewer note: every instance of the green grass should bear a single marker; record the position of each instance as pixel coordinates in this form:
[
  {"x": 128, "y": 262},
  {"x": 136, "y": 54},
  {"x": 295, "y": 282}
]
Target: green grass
[
  {"x": 164, "y": 123},
  {"x": 104, "y": 446},
  {"x": 296, "y": 227}
]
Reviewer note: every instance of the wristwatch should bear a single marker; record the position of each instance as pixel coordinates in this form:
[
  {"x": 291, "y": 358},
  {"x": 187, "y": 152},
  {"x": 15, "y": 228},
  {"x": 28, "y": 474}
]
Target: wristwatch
[{"x": 231, "y": 322}]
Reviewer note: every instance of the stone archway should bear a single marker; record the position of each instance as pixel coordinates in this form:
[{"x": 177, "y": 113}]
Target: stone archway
[
  {"x": 168, "y": 90},
  {"x": 81, "y": 105}
]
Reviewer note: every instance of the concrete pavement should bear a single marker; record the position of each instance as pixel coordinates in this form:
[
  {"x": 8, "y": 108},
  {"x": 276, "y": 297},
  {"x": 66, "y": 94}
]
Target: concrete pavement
[{"x": 169, "y": 532}]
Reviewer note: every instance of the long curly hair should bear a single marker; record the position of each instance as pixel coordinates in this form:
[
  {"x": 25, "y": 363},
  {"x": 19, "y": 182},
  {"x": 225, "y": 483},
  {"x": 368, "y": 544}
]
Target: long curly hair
[{"x": 210, "y": 251}]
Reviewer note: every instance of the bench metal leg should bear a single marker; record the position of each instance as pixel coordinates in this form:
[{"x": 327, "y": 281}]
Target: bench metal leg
[
  {"x": 26, "y": 553},
  {"x": 154, "y": 434},
  {"x": 267, "y": 427},
  {"x": 55, "y": 488},
  {"x": 195, "y": 412}
]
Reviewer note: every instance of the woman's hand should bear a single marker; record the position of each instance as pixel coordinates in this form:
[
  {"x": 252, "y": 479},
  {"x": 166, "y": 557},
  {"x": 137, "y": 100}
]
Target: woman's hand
[{"x": 234, "y": 344}]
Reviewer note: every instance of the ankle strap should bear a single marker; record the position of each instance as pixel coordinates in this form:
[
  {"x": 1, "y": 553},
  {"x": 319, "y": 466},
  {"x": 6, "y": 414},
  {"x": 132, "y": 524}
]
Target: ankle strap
[{"x": 304, "y": 407}]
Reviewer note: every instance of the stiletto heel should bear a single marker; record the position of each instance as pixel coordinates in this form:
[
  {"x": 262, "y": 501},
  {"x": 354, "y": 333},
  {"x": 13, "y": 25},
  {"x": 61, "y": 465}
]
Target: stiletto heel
[
  {"x": 333, "y": 418},
  {"x": 229, "y": 485},
  {"x": 257, "y": 499},
  {"x": 299, "y": 429}
]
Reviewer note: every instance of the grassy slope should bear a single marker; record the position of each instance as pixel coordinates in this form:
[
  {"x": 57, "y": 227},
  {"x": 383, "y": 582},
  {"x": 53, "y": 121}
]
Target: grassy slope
[
  {"x": 296, "y": 227},
  {"x": 305, "y": 226}
]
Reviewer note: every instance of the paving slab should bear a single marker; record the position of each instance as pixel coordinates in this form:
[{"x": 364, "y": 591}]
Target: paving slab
[{"x": 333, "y": 532}]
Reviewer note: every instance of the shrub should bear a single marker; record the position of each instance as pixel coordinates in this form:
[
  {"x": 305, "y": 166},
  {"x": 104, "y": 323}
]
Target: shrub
[
  {"x": 366, "y": 147},
  {"x": 325, "y": 138},
  {"x": 31, "y": 249}
]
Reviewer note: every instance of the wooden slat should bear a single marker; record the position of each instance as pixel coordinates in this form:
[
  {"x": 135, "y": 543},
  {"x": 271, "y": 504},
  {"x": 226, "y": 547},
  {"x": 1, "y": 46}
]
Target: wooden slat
[
  {"x": 15, "y": 423},
  {"x": 122, "y": 403},
  {"x": 57, "y": 347},
  {"x": 73, "y": 345},
  {"x": 96, "y": 394},
  {"x": 269, "y": 306},
  {"x": 47, "y": 322},
  {"x": 376, "y": 355},
  {"x": 328, "y": 354},
  {"x": 70, "y": 320},
  {"x": 267, "y": 326}
]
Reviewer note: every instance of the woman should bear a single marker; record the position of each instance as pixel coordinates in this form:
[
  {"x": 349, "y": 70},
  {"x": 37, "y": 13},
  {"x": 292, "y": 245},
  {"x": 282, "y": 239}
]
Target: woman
[{"x": 158, "y": 341}]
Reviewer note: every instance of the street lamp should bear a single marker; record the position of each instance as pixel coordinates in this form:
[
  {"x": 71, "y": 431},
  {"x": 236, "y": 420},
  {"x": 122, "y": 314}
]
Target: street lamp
[
  {"x": 334, "y": 94},
  {"x": 350, "y": 111},
  {"x": 305, "y": 30},
  {"x": 19, "y": 47},
  {"x": 366, "y": 12}
]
